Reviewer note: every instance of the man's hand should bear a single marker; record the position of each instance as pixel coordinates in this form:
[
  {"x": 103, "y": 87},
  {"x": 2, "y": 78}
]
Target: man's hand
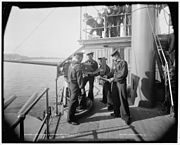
[
  {"x": 82, "y": 91},
  {"x": 105, "y": 76},
  {"x": 111, "y": 80},
  {"x": 98, "y": 77}
]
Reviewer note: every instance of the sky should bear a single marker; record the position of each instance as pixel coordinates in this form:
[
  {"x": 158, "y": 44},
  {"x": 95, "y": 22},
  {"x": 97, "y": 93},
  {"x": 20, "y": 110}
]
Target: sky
[{"x": 47, "y": 32}]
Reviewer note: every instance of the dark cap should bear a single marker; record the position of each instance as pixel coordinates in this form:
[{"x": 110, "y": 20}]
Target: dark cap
[
  {"x": 115, "y": 52},
  {"x": 90, "y": 53},
  {"x": 104, "y": 58},
  {"x": 78, "y": 53},
  {"x": 100, "y": 58}
]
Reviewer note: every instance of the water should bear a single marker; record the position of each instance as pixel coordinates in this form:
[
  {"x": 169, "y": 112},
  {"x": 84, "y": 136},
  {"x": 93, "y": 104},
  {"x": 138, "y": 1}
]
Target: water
[{"x": 23, "y": 80}]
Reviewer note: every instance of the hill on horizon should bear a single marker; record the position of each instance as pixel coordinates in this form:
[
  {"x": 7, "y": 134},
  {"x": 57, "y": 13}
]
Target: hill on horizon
[{"x": 15, "y": 56}]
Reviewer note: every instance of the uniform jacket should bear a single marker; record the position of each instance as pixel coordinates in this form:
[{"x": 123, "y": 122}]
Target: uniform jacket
[
  {"x": 93, "y": 64},
  {"x": 75, "y": 74},
  {"x": 104, "y": 70},
  {"x": 120, "y": 71}
]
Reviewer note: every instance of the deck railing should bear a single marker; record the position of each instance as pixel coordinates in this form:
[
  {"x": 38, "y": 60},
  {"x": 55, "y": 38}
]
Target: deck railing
[
  {"x": 32, "y": 101},
  {"x": 108, "y": 29},
  {"x": 9, "y": 101}
]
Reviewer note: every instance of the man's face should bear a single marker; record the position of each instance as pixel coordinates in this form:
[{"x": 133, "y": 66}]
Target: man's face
[
  {"x": 114, "y": 58},
  {"x": 90, "y": 56},
  {"x": 81, "y": 58},
  {"x": 104, "y": 61},
  {"x": 100, "y": 62}
]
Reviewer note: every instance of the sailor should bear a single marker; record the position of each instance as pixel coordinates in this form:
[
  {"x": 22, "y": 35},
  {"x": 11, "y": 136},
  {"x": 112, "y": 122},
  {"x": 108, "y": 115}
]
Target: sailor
[
  {"x": 118, "y": 19},
  {"x": 104, "y": 70},
  {"x": 90, "y": 21},
  {"x": 66, "y": 92},
  {"x": 119, "y": 90},
  {"x": 92, "y": 66},
  {"x": 75, "y": 78},
  {"x": 100, "y": 24}
]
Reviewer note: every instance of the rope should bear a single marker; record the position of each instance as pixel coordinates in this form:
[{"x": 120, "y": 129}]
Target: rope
[
  {"x": 96, "y": 9},
  {"x": 36, "y": 27}
]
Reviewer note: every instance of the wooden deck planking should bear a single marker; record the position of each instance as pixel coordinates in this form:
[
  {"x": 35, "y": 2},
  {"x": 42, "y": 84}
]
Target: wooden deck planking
[{"x": 148, "y": 124}]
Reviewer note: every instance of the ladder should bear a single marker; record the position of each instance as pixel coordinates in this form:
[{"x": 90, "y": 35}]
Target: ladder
[{"x": 163, "y": 66}]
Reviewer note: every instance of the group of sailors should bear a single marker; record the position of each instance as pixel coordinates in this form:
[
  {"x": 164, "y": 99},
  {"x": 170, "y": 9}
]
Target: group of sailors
[
  {"x": 113, "y": 81},
  {"x": 112, "y": 19}
]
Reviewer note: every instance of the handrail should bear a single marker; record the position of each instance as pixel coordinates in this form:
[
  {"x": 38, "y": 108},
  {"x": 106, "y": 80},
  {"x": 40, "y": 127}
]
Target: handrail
[
  {"x": 166, "y": 67},
  {"x": 25, "y": 110},
  {"x": 105, "y": 27},
  {"x": 121, "y": 14},
  {"x": 168, "y": 73},
  {"x": 43, "y": 122},
  {"x": 9, "y": 101},
  {"x": 30, "y": 103}
]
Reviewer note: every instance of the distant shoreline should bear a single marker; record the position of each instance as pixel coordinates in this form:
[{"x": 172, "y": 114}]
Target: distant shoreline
[{"x": 13, "y": 56}]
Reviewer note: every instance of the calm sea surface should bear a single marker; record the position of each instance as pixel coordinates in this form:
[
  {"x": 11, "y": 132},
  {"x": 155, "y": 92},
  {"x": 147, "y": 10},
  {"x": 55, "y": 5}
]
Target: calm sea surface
[{"x": 23, "y": 80}]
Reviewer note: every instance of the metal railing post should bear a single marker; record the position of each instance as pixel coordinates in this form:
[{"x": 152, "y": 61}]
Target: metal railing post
[
  {"x": 125, "y": 29},
  {"x": 22, "y": 128},
  {"x": 80, "y": 23},
  {"x": 47, "y": 112},
  {"x": 105, "y": 25},
  {"x": 86, "y": 25},
  {"x": 56, "y": 97}
]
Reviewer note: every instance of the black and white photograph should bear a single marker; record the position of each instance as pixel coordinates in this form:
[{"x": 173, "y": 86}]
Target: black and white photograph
[{"x": 89, "y": 72}]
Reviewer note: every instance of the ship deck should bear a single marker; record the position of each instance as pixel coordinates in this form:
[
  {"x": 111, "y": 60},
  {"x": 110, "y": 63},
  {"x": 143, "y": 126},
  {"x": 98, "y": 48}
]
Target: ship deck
[{"x": 148, "y": 125}]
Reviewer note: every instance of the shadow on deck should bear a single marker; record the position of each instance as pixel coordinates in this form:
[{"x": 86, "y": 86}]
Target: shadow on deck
[{"x": 148, "y": 125}]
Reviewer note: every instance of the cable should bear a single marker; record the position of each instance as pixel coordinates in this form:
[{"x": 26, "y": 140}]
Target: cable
[{"x": 36, "y": 27}]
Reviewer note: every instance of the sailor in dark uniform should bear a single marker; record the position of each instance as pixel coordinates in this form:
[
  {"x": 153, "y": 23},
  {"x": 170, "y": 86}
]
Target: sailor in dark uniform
[
  {"x": 66, "y": 92},
  {"x": 104, "y": 70},
  {"x": 93, "y": 67},
  {"x": 75, "y": 78},
  {"x": 119, "y": 90}
]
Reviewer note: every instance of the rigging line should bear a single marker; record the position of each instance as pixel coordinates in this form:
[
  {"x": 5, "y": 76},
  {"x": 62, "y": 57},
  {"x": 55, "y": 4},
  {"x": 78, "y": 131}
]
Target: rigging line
[
  {"x": 35, "y": 28},
  {"x": 156, "y": 39},
  {"x": 96, "y": 9},
  {"x": 152, "y": 28}
]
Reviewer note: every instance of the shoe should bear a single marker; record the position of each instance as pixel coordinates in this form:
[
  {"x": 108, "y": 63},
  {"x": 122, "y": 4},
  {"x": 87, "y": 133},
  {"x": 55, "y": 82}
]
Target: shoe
[
  {"x": 91, "y": 98},
  {"x": 115, "y": 116},
  {"x": 128, "y": 121},
  {"x": 110, "y": 108},
  {"x": 73, "y": 122},
  {"x": 80, "y": 108},
  {"x": 103, "y": 101}
]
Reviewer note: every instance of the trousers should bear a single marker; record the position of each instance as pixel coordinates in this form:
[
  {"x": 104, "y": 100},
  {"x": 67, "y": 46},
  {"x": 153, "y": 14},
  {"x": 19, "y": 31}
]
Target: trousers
[
  {"x": 120, "y": 102},
  {"x": 107, "y": 98},
  {"x": 91, "y": 86},
  {"x": 75, "y": 93}
]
